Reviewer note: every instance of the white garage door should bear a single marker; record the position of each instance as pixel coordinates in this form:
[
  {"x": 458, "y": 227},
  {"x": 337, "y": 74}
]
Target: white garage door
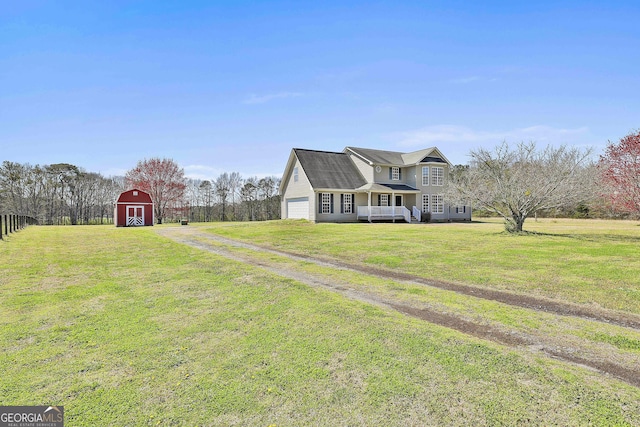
[{"x": 298, "y": 208}]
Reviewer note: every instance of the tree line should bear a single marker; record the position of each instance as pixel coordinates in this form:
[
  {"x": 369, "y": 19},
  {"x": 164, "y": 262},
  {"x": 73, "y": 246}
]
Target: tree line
[
  {"x": 232, "y": 198},
  {"x": 65, "y": 194},
  {"x": 57, "y": 194}
]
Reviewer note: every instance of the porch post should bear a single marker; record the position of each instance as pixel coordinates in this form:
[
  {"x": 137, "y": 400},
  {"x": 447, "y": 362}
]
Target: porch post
[
  {"x": 369, "y": 205},
  {"x": 393, "y": 206}
]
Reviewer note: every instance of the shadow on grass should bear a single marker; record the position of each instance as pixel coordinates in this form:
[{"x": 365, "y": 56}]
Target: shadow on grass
[{"x": 584, "y": 237}]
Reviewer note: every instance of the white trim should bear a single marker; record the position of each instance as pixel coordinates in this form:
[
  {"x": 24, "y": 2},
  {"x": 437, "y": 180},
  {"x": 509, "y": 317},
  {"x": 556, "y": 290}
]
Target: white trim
[
  {"x": 426, "y": 207},
  {"x": 134, "y": 221},
  {"x": 395, "y": 173},
  {"x": 437, "y": 176},
  {"x": 437, "y": 201},
  {"x": 346, "y": 203},
  {"x": 325, "y": 203}
]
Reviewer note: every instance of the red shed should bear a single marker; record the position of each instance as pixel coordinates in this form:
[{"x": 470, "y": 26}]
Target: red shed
[{"x": 133, "y": 208}]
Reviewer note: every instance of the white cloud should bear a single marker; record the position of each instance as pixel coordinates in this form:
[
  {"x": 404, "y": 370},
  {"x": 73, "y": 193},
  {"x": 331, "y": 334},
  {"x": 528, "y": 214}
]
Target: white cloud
[
  {"x": 261, "y": 99},
  {"x": 432, "y": 135},
  {"x": 459, "y": 140},
  {"x": 208, "y": 173},
  {"x": 114, "y": 172},
  {"x": 201, "y": 172},
  {"x": 472, "y": 79},
  {"x": 465, "y": 80}
]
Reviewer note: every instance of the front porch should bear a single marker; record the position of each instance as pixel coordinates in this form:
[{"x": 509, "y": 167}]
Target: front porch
[
  {"x": 388, "y": 213},
  {"x": 391, "y": 201}
]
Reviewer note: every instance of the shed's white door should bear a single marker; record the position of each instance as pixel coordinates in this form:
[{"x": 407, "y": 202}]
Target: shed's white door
[
  {"x": 298, "y": 208},
  {"x": 135, "y": 215}
]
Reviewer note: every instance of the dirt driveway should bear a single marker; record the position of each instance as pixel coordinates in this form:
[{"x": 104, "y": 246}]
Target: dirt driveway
[{"x": 621, "y": 366}]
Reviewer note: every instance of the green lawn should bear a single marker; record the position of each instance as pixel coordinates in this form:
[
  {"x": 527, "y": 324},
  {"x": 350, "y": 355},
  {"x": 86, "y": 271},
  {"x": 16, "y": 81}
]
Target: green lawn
[
  {"x": 583, "y": 261},
  {"x": 124, "y": 327}
]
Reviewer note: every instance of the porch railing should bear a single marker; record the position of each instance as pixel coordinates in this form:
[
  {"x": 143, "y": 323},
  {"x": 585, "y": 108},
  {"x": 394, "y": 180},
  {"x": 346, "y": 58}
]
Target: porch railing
[
  {"x": 384, "y": 212},
  {"x": 417, "y": 214}
]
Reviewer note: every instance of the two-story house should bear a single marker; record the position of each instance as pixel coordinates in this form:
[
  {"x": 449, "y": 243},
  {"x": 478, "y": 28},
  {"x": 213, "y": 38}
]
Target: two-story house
[{"x": 361, "y": 184}]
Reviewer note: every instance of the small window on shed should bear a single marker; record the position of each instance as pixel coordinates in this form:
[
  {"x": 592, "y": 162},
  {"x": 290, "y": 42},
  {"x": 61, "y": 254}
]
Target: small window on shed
[
  {"x": 295, "y": 174},
  {"x": 135, "y": 193}
]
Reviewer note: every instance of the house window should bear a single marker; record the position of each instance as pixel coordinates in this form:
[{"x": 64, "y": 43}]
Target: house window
[
  {"x": 326, "y": 203},
  {"x": 135, "y": 193},
  {"x": 384, "y": 200},
  {"x": 425, "y": 175},
  {"x": 437, "y": 176},
  {"x": 395, "y": 173},
  {"x": 347, "y": 203},
  {"x": 425, "y": 203},
  {"x": 295, "y": 174},
  {"x": 437, "y": 203}
]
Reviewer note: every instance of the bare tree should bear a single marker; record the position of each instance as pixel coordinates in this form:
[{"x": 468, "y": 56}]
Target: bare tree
[
  {"x": 249, "y": 195},
  {"x": 207, "y": 196},
  {"x": 269, "y": 198},
  {"x": 235, "y": 184},
  {"x": 163, "y": 179},
  {"x": 515, "y": 183},
  {"x": 34, "y": 192},
  {"x": 223, "y": 190},
  {"x": 106, "y": 193},
  {"x": 12, "y": 185}
]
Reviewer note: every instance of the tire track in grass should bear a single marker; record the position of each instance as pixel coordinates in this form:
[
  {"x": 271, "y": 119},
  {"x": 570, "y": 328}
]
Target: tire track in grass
[
  {"x": 627, "y": 320},
  {"x": 193, "y": 237}
]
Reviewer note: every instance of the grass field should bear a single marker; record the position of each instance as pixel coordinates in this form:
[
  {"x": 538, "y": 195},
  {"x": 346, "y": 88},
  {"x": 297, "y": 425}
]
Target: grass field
[
  {"x": 583, "y": 261},
  {"x": 124, "y": 327}
]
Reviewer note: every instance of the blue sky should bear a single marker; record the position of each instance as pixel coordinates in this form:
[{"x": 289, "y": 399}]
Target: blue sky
[{"x": 233, "y": 86}]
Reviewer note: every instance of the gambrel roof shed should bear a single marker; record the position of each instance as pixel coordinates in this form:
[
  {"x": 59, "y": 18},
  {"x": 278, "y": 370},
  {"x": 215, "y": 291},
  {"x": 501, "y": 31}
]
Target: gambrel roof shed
[{"x": 134, "y": 208}]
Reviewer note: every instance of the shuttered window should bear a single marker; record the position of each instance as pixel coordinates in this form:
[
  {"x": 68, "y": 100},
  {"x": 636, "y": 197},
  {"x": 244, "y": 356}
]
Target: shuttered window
[
  {"x": 347, "y": 203},
  {"x": 325, "y": 203}
]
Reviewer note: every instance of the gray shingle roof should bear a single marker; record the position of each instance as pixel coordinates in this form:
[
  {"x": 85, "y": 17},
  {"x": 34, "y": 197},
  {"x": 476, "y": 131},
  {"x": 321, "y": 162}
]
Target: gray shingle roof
[
  {"x": 394, "y": 158},
  {"x": 330, "y": 170},
  {"x": 379, "y": 156}
]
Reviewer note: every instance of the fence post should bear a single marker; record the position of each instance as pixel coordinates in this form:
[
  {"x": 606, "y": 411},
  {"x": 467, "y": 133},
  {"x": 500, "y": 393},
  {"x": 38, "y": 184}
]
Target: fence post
[
  {"x": 6, "y": 226},
  {"x": 0, "y": 227}
]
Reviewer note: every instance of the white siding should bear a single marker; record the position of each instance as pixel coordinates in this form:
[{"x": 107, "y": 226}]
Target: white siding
[{"x": 297, "y": 189}]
